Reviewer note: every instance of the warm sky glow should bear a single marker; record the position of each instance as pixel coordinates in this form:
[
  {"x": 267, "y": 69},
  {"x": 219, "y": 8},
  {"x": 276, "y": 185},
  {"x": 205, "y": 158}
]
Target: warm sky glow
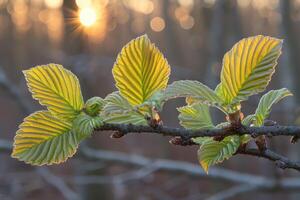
[
  {"x": 54, "y": 3},
  {"x": 87, "y": 16}
]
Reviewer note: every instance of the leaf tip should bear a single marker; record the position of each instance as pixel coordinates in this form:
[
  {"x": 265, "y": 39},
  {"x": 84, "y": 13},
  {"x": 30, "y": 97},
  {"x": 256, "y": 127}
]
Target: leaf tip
[
  {"x": 145, "y": 36},
  {"x": 14, "y": 153},
  {"x": 204, "y": 166}
]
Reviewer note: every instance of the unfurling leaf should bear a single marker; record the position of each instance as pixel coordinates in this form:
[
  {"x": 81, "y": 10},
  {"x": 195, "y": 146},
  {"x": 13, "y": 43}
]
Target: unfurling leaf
[
  {"x": 94, "y": 105},
  {"x": 56, "y": 88},
  {"x": 195, "y": 117},
  {"x": 212, "y": 152},
  {"x": 248, "y": 67},
  {"x": 266, "y": 102},
  {"x": 44, "y": 139},
  {"x": 140, "y": 70},
  {"x": 84, "y": 124},
  {"x": 196, "y": 90},
  {"x": 118, "y": 110}
]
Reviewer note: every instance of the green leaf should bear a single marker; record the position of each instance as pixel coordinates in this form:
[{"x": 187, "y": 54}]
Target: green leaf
[
  {"x": 84, "y": 125},
  {"x": 247, "y": 121},
  {"x": 266, "y": 102},
  {"x": 94, "y": 105},
  {"x": 245, "y": 139},
  {"x": 115, "y": 103},
  {"x": 118, "y": 110},
  {"x": 212, "y": 152},
  {"x": 248, "y": 67},
  {"x": 264, "y": 107},
  {"x": 202, "y": 140},
  {"x": 155, "y": 101},
  {"x": 219, "y": 91},
  {"x": 140, "y": 70},
  {"x": 43, "y": 139},
  {"x": 195, "y": 117},
  {"x": 263, "y": 110},
  {"x": 56, "y": 88},
  {"x": 195, "y": 89},
  {"x": 125, "y": 118}
]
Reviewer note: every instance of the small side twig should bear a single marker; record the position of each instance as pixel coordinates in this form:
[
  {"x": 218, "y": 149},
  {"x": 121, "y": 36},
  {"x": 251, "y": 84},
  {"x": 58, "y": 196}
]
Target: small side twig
[{"x": 281, "y": 161}]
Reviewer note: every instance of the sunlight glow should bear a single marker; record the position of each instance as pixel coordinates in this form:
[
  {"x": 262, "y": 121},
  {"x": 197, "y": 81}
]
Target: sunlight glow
[{"x": 88, "y": 16}]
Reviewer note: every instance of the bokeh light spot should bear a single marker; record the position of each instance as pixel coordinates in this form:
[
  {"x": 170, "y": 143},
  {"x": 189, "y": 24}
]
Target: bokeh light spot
[
  {"x": 187, "y": 22},
  {"x": 157, "y": 24}
]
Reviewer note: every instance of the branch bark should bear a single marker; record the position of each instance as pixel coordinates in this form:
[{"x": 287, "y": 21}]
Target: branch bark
[
  {"x": 187, "y": 134},
  {"x": 280, "y": 161}
]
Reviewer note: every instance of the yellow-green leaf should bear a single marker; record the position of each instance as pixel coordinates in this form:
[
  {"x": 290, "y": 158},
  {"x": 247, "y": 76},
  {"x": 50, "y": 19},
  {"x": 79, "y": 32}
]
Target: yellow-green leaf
[
  {"x": 212, "y": 152},
  {"x": 140, "y": 70},
  {"x": 43, "y": 139},
  {"x": 248, "y": 67},
  {"x": 195, "y": 117},
  {"x": 266, "y": 102},
  {"x": 57, "y": 88}
]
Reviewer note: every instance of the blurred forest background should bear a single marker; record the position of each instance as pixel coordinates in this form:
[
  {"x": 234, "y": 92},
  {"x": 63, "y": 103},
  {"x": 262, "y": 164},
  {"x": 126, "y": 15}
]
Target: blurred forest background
[{"x": 86, "y": 36}]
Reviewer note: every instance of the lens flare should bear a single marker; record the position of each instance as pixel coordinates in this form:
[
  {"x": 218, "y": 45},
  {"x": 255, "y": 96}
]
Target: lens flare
[{"x": 87, "y": 16}]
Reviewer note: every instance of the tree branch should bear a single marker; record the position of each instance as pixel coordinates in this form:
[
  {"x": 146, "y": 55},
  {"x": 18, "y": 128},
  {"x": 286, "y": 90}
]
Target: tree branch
[
  {"x": 14, "y": 92},
  {"x": 174, "y": 166},
  {"x": 58, "y": 183},
  {"x": 187, "y": 134},
  {"x": 280, "y": 161},
  {"x": 232, "y": 192}
]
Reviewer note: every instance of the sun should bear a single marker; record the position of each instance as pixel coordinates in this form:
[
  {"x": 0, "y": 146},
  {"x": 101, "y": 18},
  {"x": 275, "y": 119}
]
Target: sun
[{"x": 87, "y": 16}]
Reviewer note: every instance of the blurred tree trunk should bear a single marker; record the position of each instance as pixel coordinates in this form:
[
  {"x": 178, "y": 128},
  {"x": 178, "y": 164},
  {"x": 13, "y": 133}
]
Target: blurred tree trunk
[
  {"x": 73, "y": 39},
  {"x": 291, "y": 39},
  {"x": 237, "y": 32},
  {"x": 289, "y": 71},
  {"x": 290, "y": 61},
  {"x": 175, "y": 52},
  {"x": 216, "y": 42}
]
